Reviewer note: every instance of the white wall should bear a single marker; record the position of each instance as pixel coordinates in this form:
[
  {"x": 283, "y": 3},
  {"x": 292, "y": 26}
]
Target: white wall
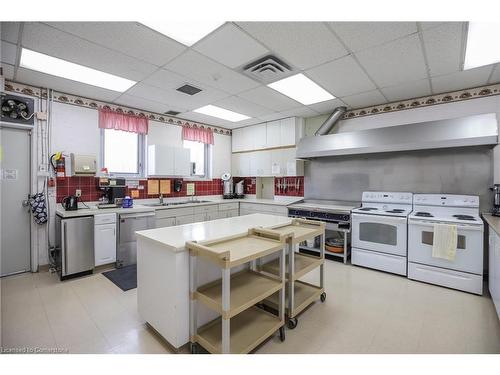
[
  {"x": 163, "y": 134},
  {"x": 471, "y": 107}
]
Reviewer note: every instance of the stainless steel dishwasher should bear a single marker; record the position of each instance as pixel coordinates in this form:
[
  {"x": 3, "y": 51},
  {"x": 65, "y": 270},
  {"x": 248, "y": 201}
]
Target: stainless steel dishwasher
[{"x": 129, "y": 223}]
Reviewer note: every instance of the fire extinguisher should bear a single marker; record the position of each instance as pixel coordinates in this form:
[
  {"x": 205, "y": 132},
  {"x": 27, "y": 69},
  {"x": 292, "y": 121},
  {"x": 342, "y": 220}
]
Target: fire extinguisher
[{"x": 59, "y": 167}]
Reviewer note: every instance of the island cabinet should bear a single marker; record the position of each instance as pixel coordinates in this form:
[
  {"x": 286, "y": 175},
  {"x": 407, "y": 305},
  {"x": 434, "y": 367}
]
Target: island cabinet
[
  {"x": 163, "y": 271},
  {"x": 494, "y": 267}
]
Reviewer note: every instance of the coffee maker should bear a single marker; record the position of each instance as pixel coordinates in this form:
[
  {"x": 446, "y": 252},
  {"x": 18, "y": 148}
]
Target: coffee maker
[
  {"x": 227, "y": 181},
  {"x": 496, "y": 200}
]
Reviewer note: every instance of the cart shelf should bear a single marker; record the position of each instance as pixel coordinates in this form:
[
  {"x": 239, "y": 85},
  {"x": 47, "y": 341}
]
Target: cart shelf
[
  {"x": 305, "y": 294},
  {"x": 303, "y": 264},
  {"x": 246, "y": 289},
  {"x": 300, "y": 229},
  {"x": 248, "y": 330}
]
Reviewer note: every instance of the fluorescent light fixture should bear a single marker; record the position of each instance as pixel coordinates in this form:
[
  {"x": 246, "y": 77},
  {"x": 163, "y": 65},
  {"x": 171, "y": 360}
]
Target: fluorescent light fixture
[
  {"x": 65, "y": 69},
  {"x": 225, "y": 114},
  {"x": 185, "y": 32},
  {"x": 301, "y": 89},
  {"x": 483, "y": 44}
]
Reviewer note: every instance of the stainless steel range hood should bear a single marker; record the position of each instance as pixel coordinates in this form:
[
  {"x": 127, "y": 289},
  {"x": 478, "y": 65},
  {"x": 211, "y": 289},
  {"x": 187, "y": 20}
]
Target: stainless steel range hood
[{"x": 465, "y": 131}]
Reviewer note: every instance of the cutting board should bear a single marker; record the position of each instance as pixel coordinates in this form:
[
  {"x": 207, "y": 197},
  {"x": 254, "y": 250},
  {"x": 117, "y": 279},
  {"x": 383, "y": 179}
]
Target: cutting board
[
  {"x": 165, "y": 186},
  {"x": 153, "y": 187}
]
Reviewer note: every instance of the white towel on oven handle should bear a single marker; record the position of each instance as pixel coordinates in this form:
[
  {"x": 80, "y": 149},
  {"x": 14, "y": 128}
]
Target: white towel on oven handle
[{"x": 445, "y": 241}]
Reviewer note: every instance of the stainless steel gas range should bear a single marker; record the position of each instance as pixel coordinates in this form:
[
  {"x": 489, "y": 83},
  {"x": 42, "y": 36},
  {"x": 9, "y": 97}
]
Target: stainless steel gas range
[{"x": 335, "y": 214}]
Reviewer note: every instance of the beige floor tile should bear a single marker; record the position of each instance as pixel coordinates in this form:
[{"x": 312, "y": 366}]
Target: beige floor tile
[{"x": 141, "y": 341}]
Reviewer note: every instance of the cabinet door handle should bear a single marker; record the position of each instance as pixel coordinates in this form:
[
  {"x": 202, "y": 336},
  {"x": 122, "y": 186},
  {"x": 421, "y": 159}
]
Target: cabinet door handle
[{"x": 65, "y": 242}]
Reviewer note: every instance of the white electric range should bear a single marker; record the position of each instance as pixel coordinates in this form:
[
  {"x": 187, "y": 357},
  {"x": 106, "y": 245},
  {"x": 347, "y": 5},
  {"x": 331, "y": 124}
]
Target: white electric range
[
  {"x": 379, "y": 231},
  {"x": 465, "y": 272}
]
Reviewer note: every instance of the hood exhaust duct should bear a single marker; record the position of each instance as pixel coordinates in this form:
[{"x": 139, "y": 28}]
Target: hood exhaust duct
[
  {"x": 331, "y": 121},
  {"x": 459, "y": 132}
]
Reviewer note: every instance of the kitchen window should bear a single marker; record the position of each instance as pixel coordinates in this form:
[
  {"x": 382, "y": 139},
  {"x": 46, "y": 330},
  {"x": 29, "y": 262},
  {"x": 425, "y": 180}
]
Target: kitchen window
[
  {"x": 122, "y": 153},
  {"x": 199, "y": 158}
]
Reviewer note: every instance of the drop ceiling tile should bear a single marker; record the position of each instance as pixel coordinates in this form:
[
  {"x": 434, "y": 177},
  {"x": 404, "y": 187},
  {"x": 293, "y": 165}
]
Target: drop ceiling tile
[
  {"x": 269, "y": 98},
  {"x": 245, "y": 107},
  {"x": 198, "y": 67},
  {"x": 443, "y": 46},
  {"x": 272, "y": 117},
  {"x": 495, "y": 77},
  {"x": 9, "y": 31},
  {"x": 141, "y": 103},
  {"x": 199, "y": 117},
  {"x": 64, "y": 85},
  {"x": 8, "y": 71},
  {"x": 461, "y": 80},
  {"x": 365, "y": 99},
  {"x": 408, "y": 90},
  {"x": 8, "y": 52},
  {"x": 239, "y": 124},
  {"x": 362, "y": 35},
  {"x": 328, "y": 106},
  {"x": 230, "y": 46},
  {"x": 395, "y": 63},
  {"x": 172, "y": 97},
  {"x": 300, "y": 112},
  {"x": 165, "y": 79},
  {"x": 131, "y": 38},
  {"x": 341, "y": 77},
  {"x": 46, "y": 39},
  {"x": 302, "y": 44}
]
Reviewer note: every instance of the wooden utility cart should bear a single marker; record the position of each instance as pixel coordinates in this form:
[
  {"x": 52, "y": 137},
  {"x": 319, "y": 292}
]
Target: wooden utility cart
[
  {"x": 299, "y": 294},
  {"x": 242, "y": 326}
]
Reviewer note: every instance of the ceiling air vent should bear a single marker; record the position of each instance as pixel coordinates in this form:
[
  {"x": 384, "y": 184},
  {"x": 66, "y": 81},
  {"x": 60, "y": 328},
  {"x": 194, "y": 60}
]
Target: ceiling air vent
[
  {"x": 267, "y": 69},
  {"x": 172, "y": 113},
  {"x": 188, "y": 89}
]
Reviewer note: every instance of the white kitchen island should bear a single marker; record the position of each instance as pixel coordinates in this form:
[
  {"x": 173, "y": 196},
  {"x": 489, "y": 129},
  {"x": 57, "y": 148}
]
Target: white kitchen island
[{"x": 163, "y": 271}]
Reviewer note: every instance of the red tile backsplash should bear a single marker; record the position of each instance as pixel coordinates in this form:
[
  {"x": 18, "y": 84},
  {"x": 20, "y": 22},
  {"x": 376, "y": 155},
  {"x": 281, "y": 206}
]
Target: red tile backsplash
[
  {"x": 90, "y": 191},
  {"x": 291, "y": 190}
]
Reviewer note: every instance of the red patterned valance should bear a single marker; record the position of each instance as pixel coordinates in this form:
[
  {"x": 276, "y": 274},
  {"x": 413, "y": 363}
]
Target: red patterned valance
[
  {"x": 198, "y": 135},
  {"x": 109, "y": 119}
]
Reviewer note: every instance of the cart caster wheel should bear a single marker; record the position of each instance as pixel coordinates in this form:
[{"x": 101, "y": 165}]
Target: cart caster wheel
[
  {"x": 194, "y": 349},
  {"x": 282, "y": 334},
  {"x": 292, "y": 323},
  {"x": 323, "y": 297}
]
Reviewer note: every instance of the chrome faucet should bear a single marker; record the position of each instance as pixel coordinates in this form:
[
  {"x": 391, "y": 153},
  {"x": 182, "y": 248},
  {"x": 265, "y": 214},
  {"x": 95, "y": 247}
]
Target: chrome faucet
[{"x": 161, "y": 198}]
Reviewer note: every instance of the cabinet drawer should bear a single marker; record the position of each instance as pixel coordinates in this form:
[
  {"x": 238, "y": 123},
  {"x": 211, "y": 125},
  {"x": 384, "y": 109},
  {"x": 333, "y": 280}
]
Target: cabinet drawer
[
  {"x": 203, "y": 209},
  {"x": 165, "y": 222},
  {"x": 104, "y": 219},
  {"x": 228, "y": 206},
  {"x": 173, "y": 212}
]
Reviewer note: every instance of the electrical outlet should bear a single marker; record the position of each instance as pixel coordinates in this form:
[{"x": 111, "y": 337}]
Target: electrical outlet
[{"x": 78, "y": 192}]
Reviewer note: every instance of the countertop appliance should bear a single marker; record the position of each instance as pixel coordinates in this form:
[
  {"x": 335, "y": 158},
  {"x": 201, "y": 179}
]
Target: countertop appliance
[
  {"x": 227, "y": 182},
  {"x": 70, "y": 203},
  {"x": 465, "y": 272},
  {"x": 239, "y": 190},
  {"x": 114, "y": 190},
  {"x": 379, "y": 231},
  {"x": 128, "y": 224},
  {"x": 335, "y": 214},
  {"x": 74, "y": 246},
  {"x": 496, "y": 200}
]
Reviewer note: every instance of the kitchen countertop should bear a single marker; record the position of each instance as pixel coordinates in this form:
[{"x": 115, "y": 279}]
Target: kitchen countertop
[
  {"x": 139, "y": 206},
  {"x": 175, "y": 238},
  {"x": 492, "y": 221}
]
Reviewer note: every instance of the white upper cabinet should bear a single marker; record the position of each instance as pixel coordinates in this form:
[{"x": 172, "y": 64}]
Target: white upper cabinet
[
  {"x": 259, "y": 136},
  {"x": 273, "y": 134},
  {"x": 279, "y": 133},
  {"x": 166, "y": 160},
  {"x": 240, "y": 165}
]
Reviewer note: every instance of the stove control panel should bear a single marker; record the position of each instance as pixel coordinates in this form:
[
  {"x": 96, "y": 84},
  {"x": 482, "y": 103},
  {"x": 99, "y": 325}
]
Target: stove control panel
[
  {"x": 446, "y": 200},
  {"x": 387, "y": 197},
  {"x": 318, "y": 215}
]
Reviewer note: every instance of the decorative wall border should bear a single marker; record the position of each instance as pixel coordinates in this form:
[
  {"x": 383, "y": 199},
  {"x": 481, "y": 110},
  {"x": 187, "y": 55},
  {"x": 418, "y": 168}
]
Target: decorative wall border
[
  {"x": 96, "y": 104},
  {"x": 425, "y": 101}
]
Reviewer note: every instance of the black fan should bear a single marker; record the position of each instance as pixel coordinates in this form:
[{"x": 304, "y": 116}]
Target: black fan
[{"x": 16, "y": 109}]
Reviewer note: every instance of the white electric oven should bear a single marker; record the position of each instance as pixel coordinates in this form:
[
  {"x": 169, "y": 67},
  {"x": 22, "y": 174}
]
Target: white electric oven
[
  {"x": 384, "y": 234},
  {"x": 469, "y": 253}
]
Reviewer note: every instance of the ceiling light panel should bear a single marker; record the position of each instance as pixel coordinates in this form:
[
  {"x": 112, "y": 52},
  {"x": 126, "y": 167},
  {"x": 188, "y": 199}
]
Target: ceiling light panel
[
  {"x": 65, "y": 69},
  {"x": 225, "y": 114},
  {"x": 185, "y": 32},
  {"x": 483, "y": 47},
  {"x": 301, "y": 89}
]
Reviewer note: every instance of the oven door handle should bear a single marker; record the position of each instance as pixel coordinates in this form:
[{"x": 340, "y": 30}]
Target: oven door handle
[
  {"x": 380, "y": 218},
  {"x": 430, "y": 224}
]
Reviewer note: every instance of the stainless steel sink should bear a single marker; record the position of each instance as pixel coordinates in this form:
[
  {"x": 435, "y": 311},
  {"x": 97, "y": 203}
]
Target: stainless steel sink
[{"x": 158, "y": 204}]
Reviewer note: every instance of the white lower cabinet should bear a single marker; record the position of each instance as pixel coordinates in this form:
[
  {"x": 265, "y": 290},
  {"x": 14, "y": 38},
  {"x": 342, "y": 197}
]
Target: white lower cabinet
[
  {"x": 165, "y": 222},
  {"x": 494, "y": 268},
  {"x": 186, "y": 219},
  {"x": 104, "y": 244}
]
